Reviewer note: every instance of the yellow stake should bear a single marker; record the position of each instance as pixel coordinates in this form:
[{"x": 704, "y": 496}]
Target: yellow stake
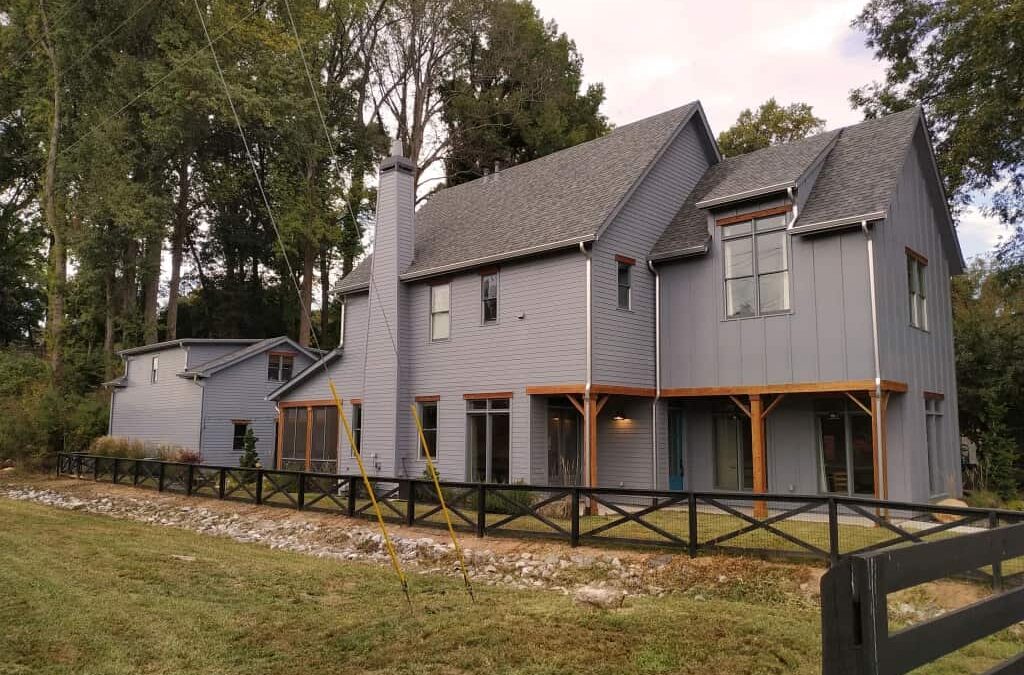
[
  {"x": 369, "y": 490},
  {"x": 444, "y": 506}
]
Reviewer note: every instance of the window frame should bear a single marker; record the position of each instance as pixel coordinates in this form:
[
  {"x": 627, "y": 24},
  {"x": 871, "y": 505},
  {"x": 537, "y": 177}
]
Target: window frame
[
  {"x": 154, "y": 370},
  {"x": 357, "y": 428},
  {"x": 752, "y": 234},
  {"x": 624, "y": 264},
  {"x": 238, "y": 441},
  {"x": 489, "y": 411},
  {"x": 732, "y": 412},
  {"x": 433, "y": 312},
  {"x": 917, "y": 290},
  {"x": 933, "y": 419},
  {"x": 496, "y": 285},
  {"x": 421, "y": 405},
  {"x": 282, "y": 358}
]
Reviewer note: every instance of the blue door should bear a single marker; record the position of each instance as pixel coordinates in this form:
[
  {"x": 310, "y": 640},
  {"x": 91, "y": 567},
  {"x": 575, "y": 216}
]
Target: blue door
[{"x": 676, "y": 446}]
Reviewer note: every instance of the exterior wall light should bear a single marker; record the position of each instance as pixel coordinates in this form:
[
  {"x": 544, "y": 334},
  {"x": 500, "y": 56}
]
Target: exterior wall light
[{"x": 619, "y": 416}]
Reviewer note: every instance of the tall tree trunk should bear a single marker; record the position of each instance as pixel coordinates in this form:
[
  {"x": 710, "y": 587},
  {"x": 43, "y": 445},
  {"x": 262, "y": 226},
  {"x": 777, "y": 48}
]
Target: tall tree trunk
[
  {"x": 325, "y": 289},
  {"x": 129, "y": 291},
  {"x": 181, "y": 217},
  {"x": 151, "y": 288},
  {"x": 58, "y": 273},
  {"x": 108, "y": 325},
  {"x": 308, "y": 262}
]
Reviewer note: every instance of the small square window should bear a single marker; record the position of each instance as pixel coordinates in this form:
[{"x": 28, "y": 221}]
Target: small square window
[
  {"x": 238, "y": 437},
  {"x": 625, "y": 282},
  {"x": 428, "y": 418},
  {"x": 280, "y": 367}
]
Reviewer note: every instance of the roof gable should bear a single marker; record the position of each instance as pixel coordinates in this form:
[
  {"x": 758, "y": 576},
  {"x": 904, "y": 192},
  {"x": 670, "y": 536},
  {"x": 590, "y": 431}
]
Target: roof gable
[{"x": 233, "y": 358}]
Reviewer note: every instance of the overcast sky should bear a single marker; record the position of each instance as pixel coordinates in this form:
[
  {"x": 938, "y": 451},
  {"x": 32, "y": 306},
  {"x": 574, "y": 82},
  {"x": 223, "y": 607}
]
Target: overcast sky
[{"x": 653, "y": 55}]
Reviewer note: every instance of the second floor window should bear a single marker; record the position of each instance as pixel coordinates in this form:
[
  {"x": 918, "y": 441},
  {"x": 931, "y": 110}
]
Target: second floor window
[
  {"x": 154, "y": 370},
  {"x": 489, "y": 297},
  {"x": 280, "y": 367},
  {"x": 625, "y": 283},
  {"x": 916, "y": 265},
  {"x": 756, "y": 267},
  {"x": 440, "y": 311}
]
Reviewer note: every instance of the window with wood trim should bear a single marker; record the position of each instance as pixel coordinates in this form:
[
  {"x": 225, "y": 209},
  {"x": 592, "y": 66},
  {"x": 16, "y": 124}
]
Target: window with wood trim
[
  {"x": 489, "y": 297},
  {"x": 428, "y": 418},
  {"x": 238, "y": 435},
  {"x": 280, "y": 367},
  {"x": 917, "y": 290},
  {"x": 625, "y": 283},
  {"x": 323, "y": 440},
  {"x": 293, "y": 438},
  {"x": 756, "y": 267},
  {"x": 937, "y": 474},
  {"x": 440, "y": 312},
  {"x": 357, "y": 427},
  {"x": 488, "y": 440},
  {"x": 154, "y": 370}
]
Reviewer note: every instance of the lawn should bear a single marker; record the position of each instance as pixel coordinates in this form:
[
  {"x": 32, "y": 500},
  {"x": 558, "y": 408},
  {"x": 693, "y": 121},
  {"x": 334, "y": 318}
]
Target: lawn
[{"x": 91, "y": 594}]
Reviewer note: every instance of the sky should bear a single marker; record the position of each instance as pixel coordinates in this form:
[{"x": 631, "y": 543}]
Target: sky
[{"x": 653, "y": 55}]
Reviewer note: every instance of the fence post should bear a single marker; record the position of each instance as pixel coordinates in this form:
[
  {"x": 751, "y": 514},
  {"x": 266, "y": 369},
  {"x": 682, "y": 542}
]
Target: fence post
[
  {"x": 114, "y": 471},
  {"x": 833, "y": 532},
  {"x": 997, "y": 565},
  {"x": 574, "y": 531},
  {"x": 78, "y": 466},
  {"x": 352, "y": 487},
  {"x": 222, "y": 483},
  {"x": 189, "y": 476},
  {"x": 691, "y": 513},
  {"x": 481, "y": 509},
  {"x": 95, "y": 468},
  {"x": 135, "y": 472},
  {"x": 259, "y": 486},
  {"x": 160, "y": 480},
  {"x": 300, "y": 499},
  {"x": 410, "y": 502}
]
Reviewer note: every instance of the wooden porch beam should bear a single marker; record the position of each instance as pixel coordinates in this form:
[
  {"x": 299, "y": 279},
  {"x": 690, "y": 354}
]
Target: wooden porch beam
[
  {"x": 756, "y": 414},
  {"x": 775, "y": 402},
  {"x": 837, "y": 386},
  {"x": 876, "y": 442},
  {"x": 857, "y": 401},
  {"x": 576, "y": 404},
  {"x": 739, "y": 404}
]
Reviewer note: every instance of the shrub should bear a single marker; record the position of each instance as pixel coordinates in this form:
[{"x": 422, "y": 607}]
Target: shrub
[
  {"x": 133, "y": 448},
  {"x": 249, "y": 458},
  {"x": 984, "y": 499},
  {"x": 511, "y": 502}
]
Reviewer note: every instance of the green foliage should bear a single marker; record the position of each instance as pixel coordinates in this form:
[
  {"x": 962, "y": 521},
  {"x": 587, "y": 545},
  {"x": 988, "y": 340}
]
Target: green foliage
[
  {"x": 133, "y": 448},
  {"x": 988, "y": 313},
  {"x": 963, "y": 61},
  {"x": 249, "y": 458},
  {"x": 771, "y": 124}
]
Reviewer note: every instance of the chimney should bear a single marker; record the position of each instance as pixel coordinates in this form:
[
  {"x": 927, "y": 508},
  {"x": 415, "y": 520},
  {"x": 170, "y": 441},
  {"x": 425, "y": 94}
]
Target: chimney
[{"x": 392, "y": 255}]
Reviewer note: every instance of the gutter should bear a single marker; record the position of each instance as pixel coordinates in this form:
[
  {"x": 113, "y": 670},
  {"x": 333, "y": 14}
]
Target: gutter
[
  {"x": 883, "y": 487},
  {"x": 657, "y": 374},
  {"x": 745, "y": 194},
  {"x": 587, "y": 440}
]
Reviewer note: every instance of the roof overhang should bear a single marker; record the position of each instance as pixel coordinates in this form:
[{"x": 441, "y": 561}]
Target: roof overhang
[
  {"x": 305, "y": 374},
  {"x": 836, "y": 224},
  {"x": 498, "y": 257},
  {"x": 746, "y": 194},
  {"x": 686, "y": 252}
]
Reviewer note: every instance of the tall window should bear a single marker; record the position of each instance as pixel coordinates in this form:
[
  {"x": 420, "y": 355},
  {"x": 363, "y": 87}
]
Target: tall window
[
  {"x": 238, "y": 436},
  {"x": 440, "y": 311},
  {"x": 357, "y": 427},
  {"x": 488, "y": 439},
  {"x": 756, "y": 267},
  {"x": 625, "y": 282},
  {"x": 293, "y": 439},
  {"x": 734, "y": 453},
  {"x": 933, "y": 440},
  {"x": 489, "y": 297},
  {"x": 845, "y": 461},
  {"x": 280, "y": 367},
  {"x": 323, "y": 451},
  {"x": 154, "y": 370},
  {"x": 916, "y": 265},
  {"x": 428, "y": 418}
]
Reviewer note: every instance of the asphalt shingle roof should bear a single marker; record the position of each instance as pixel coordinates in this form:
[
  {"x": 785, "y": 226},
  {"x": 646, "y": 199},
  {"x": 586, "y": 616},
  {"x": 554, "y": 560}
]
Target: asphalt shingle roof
[
  {"x": 858, "y": 178},
  {"x": 561, "y": 198}
]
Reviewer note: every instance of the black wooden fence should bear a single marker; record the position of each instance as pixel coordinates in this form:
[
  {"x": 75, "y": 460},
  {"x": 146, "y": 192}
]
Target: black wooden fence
[
  {"x": 856, "y": 636},
  {"x": 828, "y": 528}
]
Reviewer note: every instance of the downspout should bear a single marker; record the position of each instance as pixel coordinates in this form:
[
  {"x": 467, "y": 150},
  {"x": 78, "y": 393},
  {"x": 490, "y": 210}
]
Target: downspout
[
  {"x": 883, "y": 490},
  {"x": 657, "y": 374},
  {"x": 588, "y": 382}
]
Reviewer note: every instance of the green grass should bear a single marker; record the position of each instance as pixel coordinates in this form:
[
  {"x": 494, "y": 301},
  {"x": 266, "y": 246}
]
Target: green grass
[{"x": 90, "y": 594}]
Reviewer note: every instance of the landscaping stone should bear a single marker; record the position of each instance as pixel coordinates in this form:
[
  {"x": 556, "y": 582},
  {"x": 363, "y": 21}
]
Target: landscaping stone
[{"x": 599, "y": 597}]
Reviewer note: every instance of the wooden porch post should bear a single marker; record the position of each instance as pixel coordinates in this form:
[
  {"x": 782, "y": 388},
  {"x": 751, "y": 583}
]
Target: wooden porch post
[
  {"x": 879, "y": 451},
  {"x": 760, "y": 461}
]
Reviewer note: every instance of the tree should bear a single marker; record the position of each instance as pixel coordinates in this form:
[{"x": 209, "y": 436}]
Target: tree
[
  {"x": 518, "y": 96},
  {"x": 988, "y": 314},
  {"x": 963, "y": 62},
  {"x": 771, "y": 124},
  {"x": 250, "y": 459}
]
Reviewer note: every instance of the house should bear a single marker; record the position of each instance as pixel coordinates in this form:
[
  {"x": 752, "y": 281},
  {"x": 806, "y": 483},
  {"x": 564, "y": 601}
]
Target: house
[
  {"x": 637, "y": 311},
  {"x": 204, "y": 394}
]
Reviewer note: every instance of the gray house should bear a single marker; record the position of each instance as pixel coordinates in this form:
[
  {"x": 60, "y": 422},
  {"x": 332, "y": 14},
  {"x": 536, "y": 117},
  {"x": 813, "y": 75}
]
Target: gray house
[
  {"x": 204, "y": 394},
  {"x": 637, "y": 311}
]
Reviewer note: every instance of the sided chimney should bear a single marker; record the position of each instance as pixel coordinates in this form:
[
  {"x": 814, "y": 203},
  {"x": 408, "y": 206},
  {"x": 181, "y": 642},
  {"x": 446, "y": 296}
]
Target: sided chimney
[{"x": 392, "y": 254}]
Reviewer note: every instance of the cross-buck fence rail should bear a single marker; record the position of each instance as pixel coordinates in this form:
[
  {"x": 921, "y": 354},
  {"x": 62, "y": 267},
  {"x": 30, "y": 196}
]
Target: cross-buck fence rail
[{"x": 829, "y": 528}]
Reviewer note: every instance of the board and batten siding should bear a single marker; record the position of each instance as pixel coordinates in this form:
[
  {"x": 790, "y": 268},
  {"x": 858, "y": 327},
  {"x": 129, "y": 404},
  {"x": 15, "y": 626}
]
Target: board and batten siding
[
  {"x": 164, "y": 412},
  {"x": 826, "y": 336},
  {"x": 925, "y": 360},
  {"x": 239, "y": 393},
  {"x": 624, "y": 338}
]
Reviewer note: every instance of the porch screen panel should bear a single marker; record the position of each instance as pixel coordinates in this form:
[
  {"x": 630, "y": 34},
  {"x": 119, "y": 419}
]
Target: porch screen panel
[
  {"x": 293, "y": 447},
  {"x": 860, "y": 448},
  {"x": 323, "y": 453}
]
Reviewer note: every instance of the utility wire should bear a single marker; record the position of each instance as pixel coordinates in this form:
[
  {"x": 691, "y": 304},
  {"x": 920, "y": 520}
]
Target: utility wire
[{"x": 291, "y": 273}]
